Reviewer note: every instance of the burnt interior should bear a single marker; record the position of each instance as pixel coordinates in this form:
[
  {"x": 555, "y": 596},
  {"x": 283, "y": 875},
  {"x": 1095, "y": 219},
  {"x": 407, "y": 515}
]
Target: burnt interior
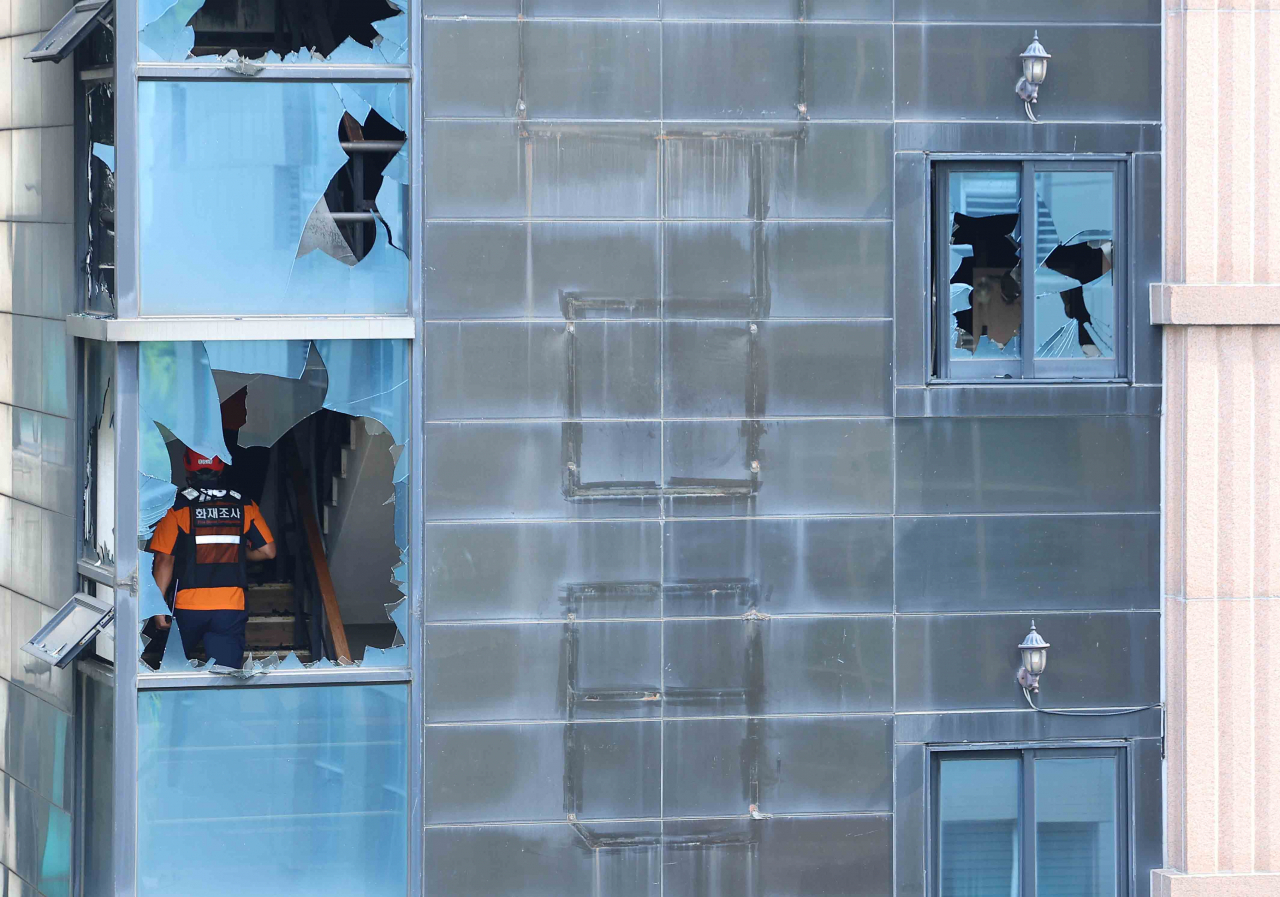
[
  {"x": 353, "y": 191},
  {"x": 254, "y": 27}
]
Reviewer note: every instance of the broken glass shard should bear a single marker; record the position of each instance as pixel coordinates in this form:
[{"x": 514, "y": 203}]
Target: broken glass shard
[
  {"x": 98, "y": 103},
  {"x": 394, "y": 200},
  {"x": 278, "y": 358},
  {"x": 369, "y": 378},
  {"x": 176, "y": 388}
]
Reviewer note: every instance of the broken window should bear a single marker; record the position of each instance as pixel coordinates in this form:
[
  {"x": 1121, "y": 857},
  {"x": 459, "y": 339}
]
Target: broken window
[
  {"x": 370, "y": 32},
  {"x": 1072, "y": 318},
  {"x": 99, "y": 269},
  {"x": 1075, "y": 286},
  {"x": 97, "y": 482},
  {"x": 98, "y": 507},
  {"x": 315, "y": 436},
  {"x": 273, "y": 197}
]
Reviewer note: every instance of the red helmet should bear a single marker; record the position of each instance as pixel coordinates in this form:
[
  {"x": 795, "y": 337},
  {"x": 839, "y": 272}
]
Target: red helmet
[{"x": 195, "y": 462}]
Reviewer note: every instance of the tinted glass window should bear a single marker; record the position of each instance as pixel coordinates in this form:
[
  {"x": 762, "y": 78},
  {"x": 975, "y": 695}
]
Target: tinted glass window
[{"x": 978, "y": 827}]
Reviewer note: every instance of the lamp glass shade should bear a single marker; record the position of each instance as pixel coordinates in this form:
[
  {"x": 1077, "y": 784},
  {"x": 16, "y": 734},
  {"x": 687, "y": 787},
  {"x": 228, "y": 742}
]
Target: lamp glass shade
[
  {"x": 1035, "y": 660},
  {"x": 1034, "y": 68}
]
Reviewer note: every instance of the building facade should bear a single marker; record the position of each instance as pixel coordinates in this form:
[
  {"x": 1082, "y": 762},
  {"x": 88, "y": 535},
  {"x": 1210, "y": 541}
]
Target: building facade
[{"x": 673, "y": 416}]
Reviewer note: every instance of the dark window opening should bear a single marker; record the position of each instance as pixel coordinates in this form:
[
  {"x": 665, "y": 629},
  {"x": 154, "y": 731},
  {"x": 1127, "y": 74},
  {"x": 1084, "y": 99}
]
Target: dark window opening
[
  {"x": 254, "y": 27},
  {"x": 352, "y": 195},
  {"x": 99, "y": 267},
  {"x": 362, "y": 31}
]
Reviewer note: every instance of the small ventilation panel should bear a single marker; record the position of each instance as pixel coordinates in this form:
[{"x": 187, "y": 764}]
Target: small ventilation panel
[
  {"x": 71, "y": 629},
  {"x": 71, "y": 29}
]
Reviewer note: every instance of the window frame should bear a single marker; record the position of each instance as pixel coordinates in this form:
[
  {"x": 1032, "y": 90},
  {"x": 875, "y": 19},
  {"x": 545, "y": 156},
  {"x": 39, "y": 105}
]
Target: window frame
[
  {"x": 1027, "y": 754},
  {"x": 1026, "y": 367}
]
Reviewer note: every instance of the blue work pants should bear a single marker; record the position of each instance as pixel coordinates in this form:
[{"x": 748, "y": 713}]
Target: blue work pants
[{"x": 222, "y": 632}]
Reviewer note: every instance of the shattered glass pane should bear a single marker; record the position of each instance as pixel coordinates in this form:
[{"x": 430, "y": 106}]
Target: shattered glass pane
[
  {"x": 273, "y": 404},
  {"x": 293, "y": 790},
  {"x": 278, "y": 358},
  {"x": 264, "y": 198},
  {"x": 1075, "y": 286},
  {"x": 176, "y": 389},
  {"x": 254, "y": 32},
  {"x": 316, "y": 435},
  {"x": 985, "y": 264},
  {"x": 100, "y": 267},
  {"x": 369, "y": 378},
  {"x": 98, "y": 500},
  {"x": 155, "y": 487}
]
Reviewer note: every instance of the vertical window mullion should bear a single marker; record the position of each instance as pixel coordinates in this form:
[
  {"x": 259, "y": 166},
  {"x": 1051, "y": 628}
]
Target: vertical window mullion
[
  {"x": 1027, "y": 822},
  {"x": 1121, "y": 271},
  {"x": 941, "y": 278},
  {"x": 1124, "y": 866},
  {"x": 1030, "y": 234}
]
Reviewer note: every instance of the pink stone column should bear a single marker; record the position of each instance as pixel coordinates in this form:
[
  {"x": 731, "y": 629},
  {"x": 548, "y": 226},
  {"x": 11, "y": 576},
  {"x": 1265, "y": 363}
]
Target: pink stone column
[{"x": 1220, "y": 304}]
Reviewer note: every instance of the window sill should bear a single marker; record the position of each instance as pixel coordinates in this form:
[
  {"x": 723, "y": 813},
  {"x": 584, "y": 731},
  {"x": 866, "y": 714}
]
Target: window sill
[
  {"x": 343, "y": 675},
  {"x": 1022, "y": 398},
  {"x": 246, "y": 327}
]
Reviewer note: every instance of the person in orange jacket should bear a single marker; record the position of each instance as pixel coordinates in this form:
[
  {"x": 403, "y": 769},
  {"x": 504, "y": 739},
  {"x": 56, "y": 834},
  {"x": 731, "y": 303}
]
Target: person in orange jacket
[{"x": 203, "y": 544}]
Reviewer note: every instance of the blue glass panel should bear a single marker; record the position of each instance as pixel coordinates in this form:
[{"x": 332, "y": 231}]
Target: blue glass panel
[
  {"x": 370, "y": 378},
  {"x": 37, "y": 841},
  {"x": 279, "y": 358},
  {"x": 97, "y": 723},
  {"x": 176, "y": 389},
  {"x": 1076, "y": 826},
  {"x": 281, "y": 790},
  {"x": 55, "y": 861},
  {"x": 234, "y": 215},
  {"x": 978, "y": 828}
]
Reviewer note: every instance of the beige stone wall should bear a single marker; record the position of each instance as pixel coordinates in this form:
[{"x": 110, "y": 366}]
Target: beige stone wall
[{"x": 1221, "y": 306}]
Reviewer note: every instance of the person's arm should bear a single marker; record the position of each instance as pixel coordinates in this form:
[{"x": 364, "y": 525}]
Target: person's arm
[
  {"x": 260, "y": 545},
  {"x": 161, "y": 545},
  {"x": 162, "y": 570},
  {"x": 265, "y": 553}
]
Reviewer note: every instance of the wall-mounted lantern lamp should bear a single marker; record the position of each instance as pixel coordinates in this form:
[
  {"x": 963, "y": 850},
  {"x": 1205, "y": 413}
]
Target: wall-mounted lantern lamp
[
  {"x": 1035, "y": 65},
  {"x": 1035, "y": 656}
]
